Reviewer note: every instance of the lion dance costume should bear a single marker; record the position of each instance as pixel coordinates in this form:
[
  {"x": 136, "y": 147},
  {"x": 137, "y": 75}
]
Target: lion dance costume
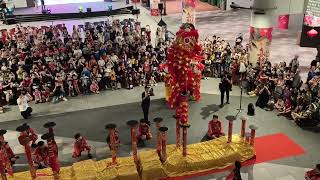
[{"x": 184, "y": 70}]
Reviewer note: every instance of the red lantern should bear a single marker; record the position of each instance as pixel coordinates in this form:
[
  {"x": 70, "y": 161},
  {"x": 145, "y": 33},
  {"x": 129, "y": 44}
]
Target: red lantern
[{"x": 312, "y": 33}]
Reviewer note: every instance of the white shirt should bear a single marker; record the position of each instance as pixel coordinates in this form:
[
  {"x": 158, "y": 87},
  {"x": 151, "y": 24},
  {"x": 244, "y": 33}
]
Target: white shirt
[{"x": 23, "y": 103}]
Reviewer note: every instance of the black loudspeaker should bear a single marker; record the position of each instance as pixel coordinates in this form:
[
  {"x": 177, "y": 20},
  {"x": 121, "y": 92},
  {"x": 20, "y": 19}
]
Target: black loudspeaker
[
  {"x": 160, "y": 6},
  {"x": 89, "y": 10},
  {"x": 135, "y": 11}
]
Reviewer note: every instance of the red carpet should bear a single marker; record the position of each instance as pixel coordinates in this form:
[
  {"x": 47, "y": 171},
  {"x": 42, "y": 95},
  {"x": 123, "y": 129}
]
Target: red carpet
[{"x": 268, "y": 148}]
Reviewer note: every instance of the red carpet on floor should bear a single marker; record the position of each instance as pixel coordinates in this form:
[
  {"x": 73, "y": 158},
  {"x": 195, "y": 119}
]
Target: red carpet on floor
[{"x": 268, "y": 148}]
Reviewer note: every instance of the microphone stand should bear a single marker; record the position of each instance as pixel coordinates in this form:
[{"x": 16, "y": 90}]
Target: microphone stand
[{"x": 241, "y": 92}]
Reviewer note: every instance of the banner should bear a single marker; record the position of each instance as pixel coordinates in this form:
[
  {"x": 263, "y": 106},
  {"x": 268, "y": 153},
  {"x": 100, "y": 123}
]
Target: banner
[
  {"x": 189, "y": 11},
  {"x": 259, "y": 44},
  {"x": 154, "y": 7},
  {"x": 283, "y": 21}
]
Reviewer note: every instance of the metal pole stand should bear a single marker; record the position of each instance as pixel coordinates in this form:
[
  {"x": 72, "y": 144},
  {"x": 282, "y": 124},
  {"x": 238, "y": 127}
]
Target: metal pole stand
[{"x": 184, "y": 138}]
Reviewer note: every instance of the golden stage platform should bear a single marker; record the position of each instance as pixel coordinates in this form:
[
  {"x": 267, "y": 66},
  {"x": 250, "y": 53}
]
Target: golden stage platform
[{"x": 204, "y": 156}]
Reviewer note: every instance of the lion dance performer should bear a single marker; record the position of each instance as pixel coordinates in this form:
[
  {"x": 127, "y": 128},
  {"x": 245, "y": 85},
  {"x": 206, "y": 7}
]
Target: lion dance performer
[
  {"x": 53, "y": 154},
  {"x": 7, "y": 157},
  {"x": 184, "y": 76},
  {"x": 184, "y": 69}
]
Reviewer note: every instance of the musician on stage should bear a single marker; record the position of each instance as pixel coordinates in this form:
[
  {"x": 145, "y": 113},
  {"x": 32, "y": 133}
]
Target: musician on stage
[
  {"x": 81, "y": 144},
  {"x": 214, "y": 128}
]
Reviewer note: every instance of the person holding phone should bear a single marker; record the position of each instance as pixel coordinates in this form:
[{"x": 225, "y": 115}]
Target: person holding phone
[{"x": 23, "y": 105}]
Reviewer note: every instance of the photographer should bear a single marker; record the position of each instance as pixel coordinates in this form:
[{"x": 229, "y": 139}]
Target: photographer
[
  {"x": 145, "y": 104},
  {"x": 225, "y": 87},
  {"x": 23, "y": 105}
]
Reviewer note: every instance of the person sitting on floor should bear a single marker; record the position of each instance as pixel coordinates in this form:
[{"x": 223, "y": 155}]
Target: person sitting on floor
[
  {"x": 313, "y": 174},
  {"x": 144, "y": 132},
  {"x": 280, "y": 104},
  {"x": 214, "y": 128},
  {"x": 286, "y": 111}
]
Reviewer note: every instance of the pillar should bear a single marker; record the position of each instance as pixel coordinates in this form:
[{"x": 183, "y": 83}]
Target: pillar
[
  {"x": 53, "y": 155},
  {"x": 112, "y": 135},
  {"x": 253, "y": 133},
  {"x": 184, "y": 138},
  {"x": 230, "y": 119},
  {"x": 261, "y": 31},
  {"x": 178, "y": 132},
  {"x": 158, "y": 121},
  {"x": 163, "y": 154},
  {"x": 189, "y": 11},
  {"x": 243, "y": 126},
  {"x": 133, "y": 124}
]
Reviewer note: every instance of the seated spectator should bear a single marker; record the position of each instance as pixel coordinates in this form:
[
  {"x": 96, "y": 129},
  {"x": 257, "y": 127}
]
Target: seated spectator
[
  {"x": 286, "y": 110},
  {"x": 264, "y": 96}
]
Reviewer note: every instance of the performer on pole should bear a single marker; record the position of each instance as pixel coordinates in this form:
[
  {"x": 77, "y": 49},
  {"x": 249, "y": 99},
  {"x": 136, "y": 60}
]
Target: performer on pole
[
  {"x": 214, "y": 128},
  {"x": 41, "y": 155},
  {"x": 49, "y": 126},
  {"x": 25, "y": 141},
  {"x": 81, "y": 144},
  {"x": 53, "y": 154},
  {"x": 144, "y": 132},
  {"x": 31, "y": 133}
]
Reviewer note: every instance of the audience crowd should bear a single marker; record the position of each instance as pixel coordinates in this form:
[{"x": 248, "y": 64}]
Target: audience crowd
[
  {"x": 51, "y": 63},
  {"x": 278, "y": 86}
]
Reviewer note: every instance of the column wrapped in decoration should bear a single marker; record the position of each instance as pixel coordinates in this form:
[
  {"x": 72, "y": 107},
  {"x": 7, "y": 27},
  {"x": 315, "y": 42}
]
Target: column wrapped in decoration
[
  {"x": 53, "y": 154},
  {"x": 163, "y": 154},
  {"x": 112, "y": 140},
  {"x": 243, "y": 126},
  {"x": 158, "y": 121},
  {"x": 178, "y": 131},
  {"x": 133, "y": 124},
  {"x": 189, "y": 11},
  {"x": 184, "y": 138},
  {"x": 253, "y": 133},
  {"x": 230, "y": 119}
]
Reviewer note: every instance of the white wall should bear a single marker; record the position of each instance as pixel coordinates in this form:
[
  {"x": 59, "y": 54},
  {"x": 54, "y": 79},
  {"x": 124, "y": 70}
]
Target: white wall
[{"x": 20, "y": 3}]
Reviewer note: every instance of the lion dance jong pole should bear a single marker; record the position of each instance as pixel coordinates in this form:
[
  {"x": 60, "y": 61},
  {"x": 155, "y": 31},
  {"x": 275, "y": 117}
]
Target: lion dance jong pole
[{"x": 184, "y": 73}]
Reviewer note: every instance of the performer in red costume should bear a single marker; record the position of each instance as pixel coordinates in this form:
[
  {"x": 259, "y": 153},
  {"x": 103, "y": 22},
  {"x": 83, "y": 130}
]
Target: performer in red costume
[
  {"x": 313, "y": 174},
  {"x": 144, "y": 132},
  {"x": 117, "y": 140},
  {"x": 32, "y": 134},
  {"x": 6, "y": 147},
  {"x": 4, "y": 159},
  {"x": 80, "y": 145},
  {"x": 214, "y": 128},
  {"x": 53, "y": 154},
  {"x": 41, "y": 155}
]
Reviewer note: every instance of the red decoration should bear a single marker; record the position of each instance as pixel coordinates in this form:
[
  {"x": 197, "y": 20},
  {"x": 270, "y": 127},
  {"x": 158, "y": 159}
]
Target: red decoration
[{"x": 312, "y": 33}]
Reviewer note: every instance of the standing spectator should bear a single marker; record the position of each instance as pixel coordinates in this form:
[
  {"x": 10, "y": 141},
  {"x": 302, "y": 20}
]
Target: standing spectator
[
  {"x": 225, "y": 86},
  {"x": 145, "y": 104}
]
